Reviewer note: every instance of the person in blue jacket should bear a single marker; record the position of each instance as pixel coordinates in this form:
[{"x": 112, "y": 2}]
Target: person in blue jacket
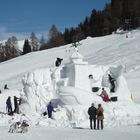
[{"x": 50, "y": 109}]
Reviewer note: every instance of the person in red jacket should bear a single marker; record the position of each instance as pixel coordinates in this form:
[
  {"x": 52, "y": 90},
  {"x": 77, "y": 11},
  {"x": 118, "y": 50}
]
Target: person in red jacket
[{"x": 104, "y": 95}]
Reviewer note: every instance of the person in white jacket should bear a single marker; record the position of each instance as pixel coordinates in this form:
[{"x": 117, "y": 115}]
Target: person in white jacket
[
  {"x": 24, "y": 123},
  {"x": 24, "y": 119}
]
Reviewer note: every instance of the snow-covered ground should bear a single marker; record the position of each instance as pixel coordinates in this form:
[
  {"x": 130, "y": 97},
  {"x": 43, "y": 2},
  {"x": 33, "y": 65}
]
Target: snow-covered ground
[
  {"x": 43, "y": 133},
  {"x": 35, "y": 78}
]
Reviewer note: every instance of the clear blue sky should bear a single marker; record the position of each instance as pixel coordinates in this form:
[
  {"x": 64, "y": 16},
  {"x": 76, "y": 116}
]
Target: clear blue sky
[{"x": 18, "y": 17}]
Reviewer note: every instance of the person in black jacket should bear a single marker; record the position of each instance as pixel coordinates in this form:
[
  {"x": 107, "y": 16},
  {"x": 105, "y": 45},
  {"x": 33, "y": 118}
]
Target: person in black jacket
[
  {"x": 5, "y": 86},
  {"x": 58, "y": 62},
  {"x": 112, "y": 82},
  {"x": 92, "y": 112},
  {"x": 16, "y": 104},
  {"x": 9, "y": 105}
]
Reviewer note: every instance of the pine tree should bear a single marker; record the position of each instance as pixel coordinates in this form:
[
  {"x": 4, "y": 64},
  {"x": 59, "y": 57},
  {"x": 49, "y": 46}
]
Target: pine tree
[
  {"x": 26, "y": 47},
  {"x": 66, "y": 36}
]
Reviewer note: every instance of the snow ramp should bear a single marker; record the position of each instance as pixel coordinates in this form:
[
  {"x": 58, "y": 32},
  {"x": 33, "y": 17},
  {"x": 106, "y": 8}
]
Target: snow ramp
[{"x": 75, "y": 96}]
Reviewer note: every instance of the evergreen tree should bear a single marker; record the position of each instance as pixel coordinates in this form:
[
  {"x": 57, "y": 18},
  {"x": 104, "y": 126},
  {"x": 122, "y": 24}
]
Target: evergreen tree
[
  {"x": 26, "y": 47},
  {"x": 78, "y": 35},
  {"x": 86, "y": 27},
  {"x": 66, "y": 36}
]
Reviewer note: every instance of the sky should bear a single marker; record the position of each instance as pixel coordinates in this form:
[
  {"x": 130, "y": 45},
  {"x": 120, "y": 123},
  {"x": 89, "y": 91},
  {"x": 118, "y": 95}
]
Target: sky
[{"x": 21, "y": 17}]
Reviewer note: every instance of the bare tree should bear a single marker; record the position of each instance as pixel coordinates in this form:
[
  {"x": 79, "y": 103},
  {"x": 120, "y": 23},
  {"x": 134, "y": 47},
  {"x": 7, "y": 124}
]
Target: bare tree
[
  {"x": 55, "y": 37},
  {"x": 34, "y": 42},
  {"x": 12, "y": 42}
]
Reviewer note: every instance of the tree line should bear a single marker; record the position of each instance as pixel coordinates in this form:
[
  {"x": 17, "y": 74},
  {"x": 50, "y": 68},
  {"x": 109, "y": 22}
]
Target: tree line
[
  {"x": 119, "y": 14},
  {"x": 10, "y": 48}
]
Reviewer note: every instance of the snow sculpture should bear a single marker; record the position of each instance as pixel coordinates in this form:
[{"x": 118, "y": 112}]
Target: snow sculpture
[{"x": 38, "y": 89}]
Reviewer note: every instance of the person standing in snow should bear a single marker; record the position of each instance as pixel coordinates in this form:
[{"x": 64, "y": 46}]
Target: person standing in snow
[
  {"x": 16, "y": 104},
  {"x": 100, "y": 116},
  {"x": 9, "y": 105},
  {"x": 5, "y": 86},
  {"x": 91, "y": 80},
  {"x": 92, "y": 115},
  {"x": 112, "y": 82},
  {"x": 50, "y": 109}
]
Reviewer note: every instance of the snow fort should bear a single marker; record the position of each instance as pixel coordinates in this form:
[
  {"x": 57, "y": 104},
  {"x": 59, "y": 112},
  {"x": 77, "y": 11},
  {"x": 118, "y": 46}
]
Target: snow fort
[{"x": 73, "y": 83}]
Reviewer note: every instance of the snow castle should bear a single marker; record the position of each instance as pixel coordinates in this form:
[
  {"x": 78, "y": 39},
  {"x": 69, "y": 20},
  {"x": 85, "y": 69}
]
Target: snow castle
[
  {"x": 70, "y": 84},
  {"x": 77, "y": 74}
]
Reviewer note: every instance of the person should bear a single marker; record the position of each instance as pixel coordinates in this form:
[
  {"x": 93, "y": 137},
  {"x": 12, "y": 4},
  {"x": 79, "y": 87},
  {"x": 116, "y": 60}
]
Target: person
[
  {"x": 24, "y": 123},
  {"x": 104, "y": 95},
  {"x": 16, "y": 104},
  {"x": 50, "y": 109},
  {"x": 92, "y": 115},
  {"x": 58, "y": 62},
  {"x": 90, "y": 76},
  {"x": 5, "y": 86},
  {"x": 92, "y": 83},
  {"x": 100, "y": 116},
  {"x": 91, "y": 80},
  {"x": 24, "y": 120},
  {"x": 112, "y": 82},
  {"x": 9, "y": 105},
  {"x": 0, "y": 92}
]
